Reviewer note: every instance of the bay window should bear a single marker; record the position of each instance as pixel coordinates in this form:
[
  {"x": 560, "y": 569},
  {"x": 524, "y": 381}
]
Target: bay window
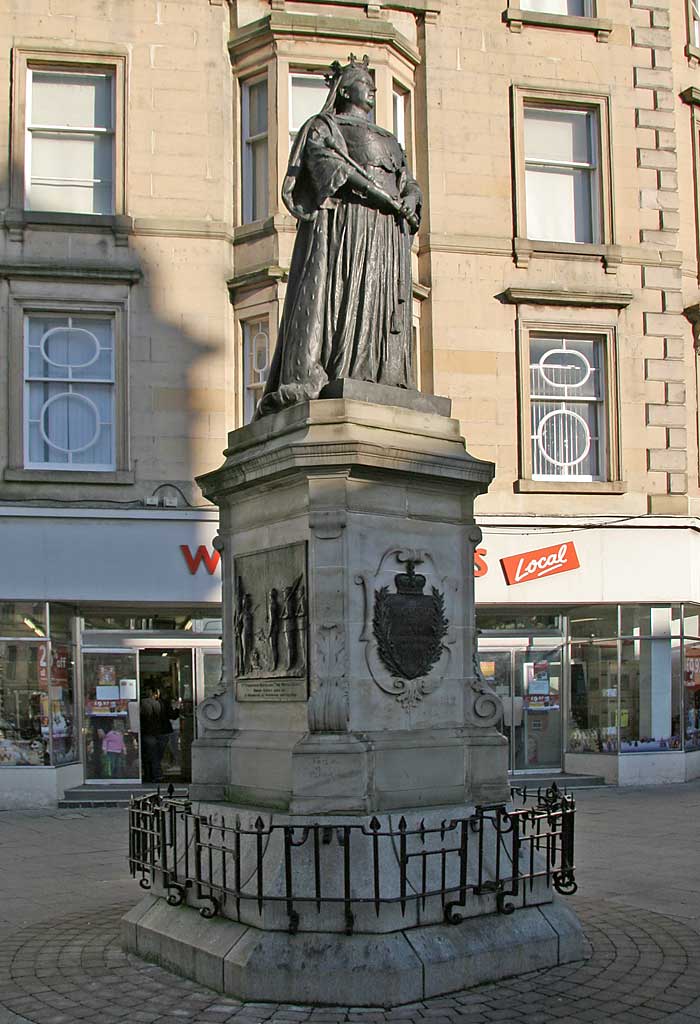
[{"x": 255, "y": 183}]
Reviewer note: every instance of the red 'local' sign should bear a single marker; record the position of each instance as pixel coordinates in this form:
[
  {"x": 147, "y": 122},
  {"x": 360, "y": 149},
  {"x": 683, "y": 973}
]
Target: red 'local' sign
[{"x": 534, "y": 565}]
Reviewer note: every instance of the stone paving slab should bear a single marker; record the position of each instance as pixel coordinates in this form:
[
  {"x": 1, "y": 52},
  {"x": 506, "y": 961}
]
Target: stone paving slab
[{"x": 64, "y": 888}]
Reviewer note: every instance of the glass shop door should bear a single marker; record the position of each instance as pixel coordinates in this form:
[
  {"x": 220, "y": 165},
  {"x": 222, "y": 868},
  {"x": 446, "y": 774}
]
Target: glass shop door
[
  {"x": 527, "y": 675},
  {"x": 111, "y": 731},
  {"x": 168, "y": 674}
]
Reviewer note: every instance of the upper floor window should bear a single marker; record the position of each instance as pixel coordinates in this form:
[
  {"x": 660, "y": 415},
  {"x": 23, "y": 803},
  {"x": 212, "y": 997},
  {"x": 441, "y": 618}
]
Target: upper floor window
[
  {"x": 399, "y": 99},
  {"x": 68, "y": 129},
  {"x": 568, "y": 8},
  {"x": 567, "y": 407},
  {"x": 69, "y": 383},
  {"x": 69, "y": 152},
  {"x": 255, "y": 180},
  {"x": 562, "y": 174},
  {"x": 307, "y": 94},
  {"x": 256, "y": 363}
]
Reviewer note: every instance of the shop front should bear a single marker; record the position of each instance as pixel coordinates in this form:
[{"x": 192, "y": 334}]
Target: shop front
[
  {"x": 590, "y": 636},
  {"x": 98, "y": 610}
]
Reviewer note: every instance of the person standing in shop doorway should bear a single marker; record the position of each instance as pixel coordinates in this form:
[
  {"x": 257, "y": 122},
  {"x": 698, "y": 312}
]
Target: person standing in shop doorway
[{"x": 151, "y": 714}]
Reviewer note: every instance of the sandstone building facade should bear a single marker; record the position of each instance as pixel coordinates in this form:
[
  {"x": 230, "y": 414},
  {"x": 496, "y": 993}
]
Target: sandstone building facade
[{"x": 143, "y": 258}]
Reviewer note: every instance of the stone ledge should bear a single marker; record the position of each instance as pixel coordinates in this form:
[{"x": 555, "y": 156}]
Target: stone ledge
[
  {"x": 565, "y": 297},
  {"x": 515, "y": 18},
  {"x": 335, "y": 969},
  {"x": 381, "y": 394}
]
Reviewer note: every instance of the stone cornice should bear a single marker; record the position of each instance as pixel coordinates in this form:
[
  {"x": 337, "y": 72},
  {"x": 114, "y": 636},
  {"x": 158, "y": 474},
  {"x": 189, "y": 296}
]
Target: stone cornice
[
  {"x": 280, "y": 23},
  {"x": 56, "y": 271},
  {"x": 566, "y": 297}
]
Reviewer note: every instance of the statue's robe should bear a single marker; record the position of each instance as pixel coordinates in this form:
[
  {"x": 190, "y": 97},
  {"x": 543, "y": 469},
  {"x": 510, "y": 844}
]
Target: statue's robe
[{"x": 347, "y": 311}]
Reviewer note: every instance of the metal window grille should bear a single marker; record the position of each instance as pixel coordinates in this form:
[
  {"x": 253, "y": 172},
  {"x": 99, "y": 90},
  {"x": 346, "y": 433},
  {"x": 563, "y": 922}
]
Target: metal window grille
[
  {"x": 256, "y": 363},
  {"x": 69, "y": 151},
  {"x": 255, "y": 155},
  {"x": 562, "y": 175},
  {"x": 69, "y": 392},
  {"x": 567, "y": 407}
]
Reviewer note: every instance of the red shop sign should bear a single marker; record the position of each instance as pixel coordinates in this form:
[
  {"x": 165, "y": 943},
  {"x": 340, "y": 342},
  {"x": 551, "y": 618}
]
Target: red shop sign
[{"x": 535, "y": 565}]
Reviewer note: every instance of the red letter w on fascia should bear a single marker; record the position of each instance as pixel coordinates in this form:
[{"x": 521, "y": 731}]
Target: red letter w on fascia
[{"x": 201, "y": 555}]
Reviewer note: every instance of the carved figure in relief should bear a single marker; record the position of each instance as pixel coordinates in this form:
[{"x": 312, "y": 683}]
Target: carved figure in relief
[
  {"x": 273, "y": 626},
  {"x": 247, "y": 631}
]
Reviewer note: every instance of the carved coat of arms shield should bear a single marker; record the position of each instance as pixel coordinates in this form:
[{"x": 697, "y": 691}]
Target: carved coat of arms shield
[{"x": 409, "y": 626}]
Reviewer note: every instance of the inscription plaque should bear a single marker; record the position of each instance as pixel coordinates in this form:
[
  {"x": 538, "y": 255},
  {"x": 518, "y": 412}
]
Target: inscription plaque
[{"x": 270, "y": 624}]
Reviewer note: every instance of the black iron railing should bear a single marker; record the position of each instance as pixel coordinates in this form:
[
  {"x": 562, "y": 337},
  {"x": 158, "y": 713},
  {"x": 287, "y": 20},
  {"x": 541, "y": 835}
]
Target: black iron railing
[{"x": 508, "y": 852}]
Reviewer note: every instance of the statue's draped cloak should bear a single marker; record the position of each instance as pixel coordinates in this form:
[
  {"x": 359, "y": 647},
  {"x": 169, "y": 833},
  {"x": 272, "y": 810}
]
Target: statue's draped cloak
[{"x": 347, "y": 311}]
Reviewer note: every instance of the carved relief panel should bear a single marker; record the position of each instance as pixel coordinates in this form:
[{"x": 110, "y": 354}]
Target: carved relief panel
[{"x": 270, "y": 624}]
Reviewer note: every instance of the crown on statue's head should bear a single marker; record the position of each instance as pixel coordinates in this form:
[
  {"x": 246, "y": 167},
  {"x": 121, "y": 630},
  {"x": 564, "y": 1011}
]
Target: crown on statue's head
[{"x": 338, "y": 70}]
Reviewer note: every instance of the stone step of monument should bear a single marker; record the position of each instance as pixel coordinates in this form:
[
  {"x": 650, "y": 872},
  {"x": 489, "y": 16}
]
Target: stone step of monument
[
  {"x": 536, "y": 780},
  {"x": 117, "y": 795}
]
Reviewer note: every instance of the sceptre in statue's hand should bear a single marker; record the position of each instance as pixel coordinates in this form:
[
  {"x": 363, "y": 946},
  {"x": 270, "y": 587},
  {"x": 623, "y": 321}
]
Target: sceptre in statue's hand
[{"x": 347, "y": 310}]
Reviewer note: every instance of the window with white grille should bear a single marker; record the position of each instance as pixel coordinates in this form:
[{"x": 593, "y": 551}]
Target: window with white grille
[
  {"x": 562, "y": 179},
  {"x": 69, "y": 151},
  {"x": 255, "y": 183},
  {"x": 69, "y": 386},
  {"x": 256, "y": 363},
  {"x": 307, "y": 94},
  {"x": 567, "y": 407}
]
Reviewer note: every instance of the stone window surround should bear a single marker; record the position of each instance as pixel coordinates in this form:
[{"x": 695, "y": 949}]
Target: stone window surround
[
  {"x": 58, "y": 56},
  {"x": 279, "y": 45},
  {"x": 515, "y": 17},
  {"x": 526, "y": 248},
  {"x": 37, "y": 296},
  {"x": 532, "y": 321}
]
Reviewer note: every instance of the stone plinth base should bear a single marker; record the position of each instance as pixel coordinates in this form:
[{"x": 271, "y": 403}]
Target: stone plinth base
[{"x": 326, "y": 969}]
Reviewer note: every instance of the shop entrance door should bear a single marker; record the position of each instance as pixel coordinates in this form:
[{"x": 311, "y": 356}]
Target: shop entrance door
[
  {"x": 169, "y": 673},
  {"x": 527, "y": 676},
  {"x": 111, "y": 733}
]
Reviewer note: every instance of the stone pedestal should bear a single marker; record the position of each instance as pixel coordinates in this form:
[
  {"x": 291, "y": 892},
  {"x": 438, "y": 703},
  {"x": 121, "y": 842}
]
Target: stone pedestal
[
  {"x": 366, "y": 501},
  {"x": 349, "y": 698}
]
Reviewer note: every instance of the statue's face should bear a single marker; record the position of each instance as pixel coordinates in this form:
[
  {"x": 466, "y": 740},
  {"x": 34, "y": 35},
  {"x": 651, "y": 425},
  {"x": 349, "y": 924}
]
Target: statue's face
[{"x": 360, "y": 92}]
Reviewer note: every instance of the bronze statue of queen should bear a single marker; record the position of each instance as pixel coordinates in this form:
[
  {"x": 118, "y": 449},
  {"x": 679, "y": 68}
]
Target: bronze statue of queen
[{"x": 347, "y": 311}]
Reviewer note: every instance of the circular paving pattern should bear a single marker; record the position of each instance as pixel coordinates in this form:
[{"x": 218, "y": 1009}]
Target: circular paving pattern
[{"x": 642, "y": 968}]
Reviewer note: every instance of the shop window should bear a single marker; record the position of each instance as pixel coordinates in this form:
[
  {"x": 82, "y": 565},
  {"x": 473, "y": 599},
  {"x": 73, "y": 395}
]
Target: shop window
[
  {"x": 307, "y": 94},
  {"x": 567, "y": 407},
  {"x": 691, "y": 690},
  {"x": 563, "y": 193},
  {"x": 69, "y": 393},
  {"x": 68, "y": 133},
  {"x": 61, "y": 705},
  {"x": 650, "y": 689},
  {"x": 25, "y": 619},
  {"x": 254, "y": 144},
  {"x": 256, "y": 363},
  {"x": 593, "y": 623},
  {"x": 24, "y": 729},
  {"x": 593, "y": 714}
]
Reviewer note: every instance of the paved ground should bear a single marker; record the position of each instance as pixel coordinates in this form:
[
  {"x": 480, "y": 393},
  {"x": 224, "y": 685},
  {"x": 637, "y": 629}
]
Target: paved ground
[{"x": 64, "y": 886}]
